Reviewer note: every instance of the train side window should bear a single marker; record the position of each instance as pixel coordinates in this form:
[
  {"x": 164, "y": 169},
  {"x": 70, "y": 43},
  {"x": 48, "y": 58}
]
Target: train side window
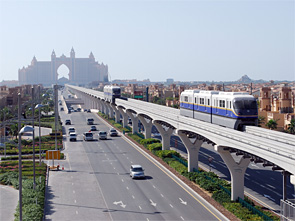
[
  {"x": 186, "y": 98},
  {"x": 195, "y": 100},
  {"x": 208, "y": 103},
  {"x": 230, "y": 104},
  {"x": 221, "y": 103}
]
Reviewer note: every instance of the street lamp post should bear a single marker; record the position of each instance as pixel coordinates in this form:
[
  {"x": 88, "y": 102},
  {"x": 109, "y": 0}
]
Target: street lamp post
[
  {"x": 39, "y": 106},
  {"x": 33, "y": 123},
  {"x": 19, "y": 160}
]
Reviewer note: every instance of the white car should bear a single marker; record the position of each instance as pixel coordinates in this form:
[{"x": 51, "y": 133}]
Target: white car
[
  {"x": 71, "y": 130},
  {"x": 73, "y": 137},
  {"x": 88, "y": 136},
  {"x": 136, "y": 171},
  {"x": 113, "y": 132},
  {"x": 102, "y": 135}
]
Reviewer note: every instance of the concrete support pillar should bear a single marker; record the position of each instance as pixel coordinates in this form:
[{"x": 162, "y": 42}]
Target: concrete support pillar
[
  {"x": 102, "y": 107},
  {"x": 147, "y": 126},
  {"x": 106, "y": 109},
  {"x": 111, "y": 111},
  {"x": 165, "y": 134},
  {"x": 134, "y": 120},
  {"x": 237, "y": 172},
  {"x": 192, "y": 150},
  {"x": 117, "y": 113},
  {"x": 124, "y": 115}
]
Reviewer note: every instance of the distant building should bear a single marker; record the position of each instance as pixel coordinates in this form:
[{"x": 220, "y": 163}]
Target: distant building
[
  {"x": 82, "y": 71},
  {"x": 170, "y": 81}
]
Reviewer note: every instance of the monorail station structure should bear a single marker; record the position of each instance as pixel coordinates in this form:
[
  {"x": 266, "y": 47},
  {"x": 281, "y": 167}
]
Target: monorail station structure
[{"x": 81, "y": 70}]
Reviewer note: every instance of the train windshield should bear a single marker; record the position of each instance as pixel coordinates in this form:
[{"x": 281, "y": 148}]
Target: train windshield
[
  {"x": 116, "y": 90},
  {"x": 245, "y": 104}
]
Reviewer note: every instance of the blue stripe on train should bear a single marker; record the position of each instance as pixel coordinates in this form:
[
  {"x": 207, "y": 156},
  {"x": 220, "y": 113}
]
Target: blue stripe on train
[{"x": 215, "y": 111}]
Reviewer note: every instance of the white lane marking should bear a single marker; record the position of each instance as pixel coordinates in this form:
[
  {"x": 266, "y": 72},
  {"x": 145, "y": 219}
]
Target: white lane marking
[
  {"x": 75, "y": 201},
  {"x": 118, "y": 174},
  {"x": 105, "y": 154},
  {"x": 147, "y": 219},
  {"x": 111, "y": 163},
  {"x": 122, "y": 180},
  {"x": 133, "y": 197},
  {"x": 171, "y": 205},
  {"x": 77, "y": 212},
  {"x": 182, "y": 218},
  {"x": 154, "y": 186},
  {"x": 139, "y": 207},
  {"x": 74, "y": 191},
  {"x": 127, "y": 188},
  {"x": 162, "y": 195},
  {"x": 183, "y": 202},
  {"x": 131, "y": 162},
  {"x": 114, "y": 168},
  {"x": 152, "y": 203}
]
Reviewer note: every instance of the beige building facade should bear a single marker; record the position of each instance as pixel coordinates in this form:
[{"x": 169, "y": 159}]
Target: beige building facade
[{"x": 81, "y": 70}]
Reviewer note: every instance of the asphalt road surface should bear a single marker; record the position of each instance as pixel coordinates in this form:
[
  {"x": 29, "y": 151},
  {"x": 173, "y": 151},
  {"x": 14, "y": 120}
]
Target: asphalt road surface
[{"x": 95, "y": 183}]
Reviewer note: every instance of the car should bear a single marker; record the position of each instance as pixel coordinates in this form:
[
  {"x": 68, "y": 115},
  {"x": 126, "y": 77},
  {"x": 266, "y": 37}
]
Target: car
[
  {"x": 73, "y": 136},
  {"x": 113, "y": 132},
  {"x": 88, "y": 111},
  {"x": 75, "y": 110},
  {"x": 136, "y": 171},
  {"x": 90, "y": 121},
  {"x": 79, "y": 109},
  {"x": 93, "y": 128},
  {"x": 62, "y": 109},
  {"x": 85, "y": 110},
  {"x": 103, "y": 135},
  {"x": 88, "y": 136},
  {"x": 71, "y": 130},
  {"x": 68, "y": 122}
]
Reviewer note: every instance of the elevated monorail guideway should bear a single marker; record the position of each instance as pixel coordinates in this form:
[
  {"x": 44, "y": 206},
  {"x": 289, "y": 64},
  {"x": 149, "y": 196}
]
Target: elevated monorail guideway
[{"x": 270, "y": 150}]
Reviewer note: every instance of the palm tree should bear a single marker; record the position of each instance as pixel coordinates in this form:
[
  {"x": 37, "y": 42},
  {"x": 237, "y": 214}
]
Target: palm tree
[
  {"x": 272, "y": 124},
  {"x": 291, "y": 127}
]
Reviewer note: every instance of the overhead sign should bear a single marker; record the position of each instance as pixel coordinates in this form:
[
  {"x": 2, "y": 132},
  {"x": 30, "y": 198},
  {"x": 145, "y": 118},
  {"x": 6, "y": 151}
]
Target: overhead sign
[{"x": 53, "y": 155}]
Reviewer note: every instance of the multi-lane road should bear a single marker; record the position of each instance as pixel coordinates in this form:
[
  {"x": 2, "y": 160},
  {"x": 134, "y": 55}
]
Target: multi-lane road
[{"x": 95, "y": 183}]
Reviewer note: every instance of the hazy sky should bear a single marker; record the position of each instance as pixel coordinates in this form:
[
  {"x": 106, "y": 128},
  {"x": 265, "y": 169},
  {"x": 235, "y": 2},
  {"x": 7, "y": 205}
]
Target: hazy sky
[{"x": 185, "y": 40}]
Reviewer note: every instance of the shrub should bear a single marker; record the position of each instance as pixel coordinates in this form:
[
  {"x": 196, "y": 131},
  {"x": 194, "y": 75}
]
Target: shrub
[
  {"x": 149, "y": 141},
  {"x": 155, "y": 146},
  {"x": 167, "y": 153},
  {"x": 221, "y": 197},
  {"x": 135, "y": 137},
  {"x": 177, "y": 166}
]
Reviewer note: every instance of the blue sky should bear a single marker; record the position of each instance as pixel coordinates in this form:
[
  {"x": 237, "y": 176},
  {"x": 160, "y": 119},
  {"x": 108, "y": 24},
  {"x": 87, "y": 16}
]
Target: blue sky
[{"x": 184, "y": 40}]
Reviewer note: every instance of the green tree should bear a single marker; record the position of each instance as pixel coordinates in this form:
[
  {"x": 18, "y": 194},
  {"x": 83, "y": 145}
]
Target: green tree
[
  {"x": 272, "y": 124},
  {"x": 291, "y": 127},
  {"x": 14, "y": 130}
]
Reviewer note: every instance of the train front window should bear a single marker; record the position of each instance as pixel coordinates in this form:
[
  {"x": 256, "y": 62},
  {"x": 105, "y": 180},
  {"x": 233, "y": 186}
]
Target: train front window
[
  {"x": 116, "y": 91},
  {"x": 250, "y": 104}
]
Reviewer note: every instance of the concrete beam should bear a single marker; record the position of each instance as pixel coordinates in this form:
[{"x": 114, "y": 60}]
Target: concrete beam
[
  {"x": 237, "y": 171},
  {"x": 165, "y": 134},
  {"x": 192, "y": 150}
]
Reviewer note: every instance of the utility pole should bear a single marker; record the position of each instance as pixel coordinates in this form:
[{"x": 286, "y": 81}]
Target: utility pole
[{"x": 55, "y": 113}]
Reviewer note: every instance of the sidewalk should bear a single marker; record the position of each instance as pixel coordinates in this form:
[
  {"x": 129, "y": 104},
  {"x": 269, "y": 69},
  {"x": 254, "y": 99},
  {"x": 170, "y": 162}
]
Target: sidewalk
[{"x": 8, "y": 202}]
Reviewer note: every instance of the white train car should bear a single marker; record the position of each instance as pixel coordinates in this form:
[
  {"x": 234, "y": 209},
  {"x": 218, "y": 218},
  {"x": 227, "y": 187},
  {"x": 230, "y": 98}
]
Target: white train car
[
  {"x": 229, "y": 109},
  {"x": 111, "y": 93}
]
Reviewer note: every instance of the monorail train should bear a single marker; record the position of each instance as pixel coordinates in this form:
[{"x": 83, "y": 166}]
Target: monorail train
[
  {"x": 111, "y": 92},
  {"x": 229, "y": 109}
]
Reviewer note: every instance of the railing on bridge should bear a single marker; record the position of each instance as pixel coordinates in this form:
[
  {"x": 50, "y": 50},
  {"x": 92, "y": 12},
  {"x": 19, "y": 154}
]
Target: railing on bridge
[{"x": 288, "y": 210}]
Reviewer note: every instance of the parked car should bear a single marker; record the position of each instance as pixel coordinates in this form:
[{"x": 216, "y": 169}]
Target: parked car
[
  {"x": 102, "y": 135},
  {"x": 71, "y": 130},
  {"x": 136, "y": 171},
  {"x": 73, "y": 136},
  {"x": 88, "y": 136},
  {"x": 90, "y": 121},
  {"x": 68, "y": 122},
  {"x": 113, "y": 132},
  {"x": 93, "y": 128}
]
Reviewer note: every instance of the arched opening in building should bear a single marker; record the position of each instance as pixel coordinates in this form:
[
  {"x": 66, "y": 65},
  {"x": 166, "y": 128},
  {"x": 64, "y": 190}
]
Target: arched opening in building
[{"x": 63, "y": 74}]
